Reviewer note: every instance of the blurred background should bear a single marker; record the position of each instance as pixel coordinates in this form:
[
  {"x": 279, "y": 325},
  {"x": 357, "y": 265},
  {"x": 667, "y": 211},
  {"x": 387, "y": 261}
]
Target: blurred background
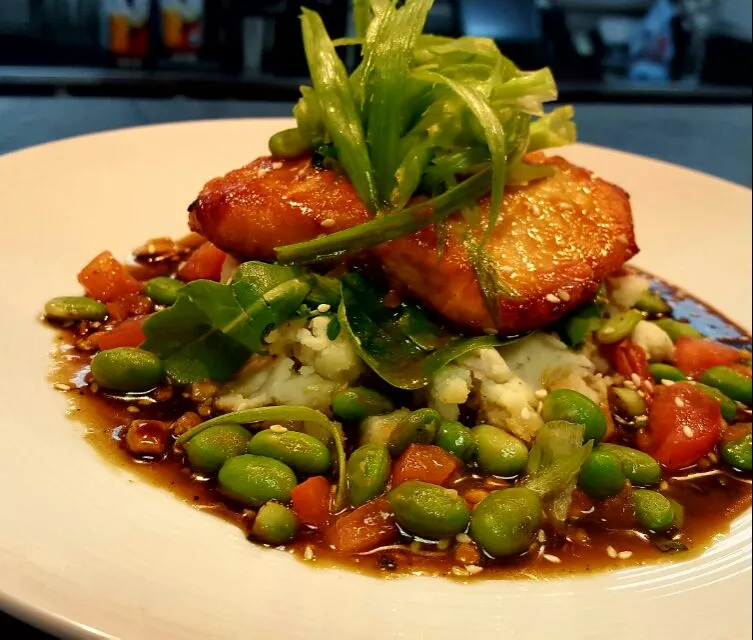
[{"x": 600, "y": 50}]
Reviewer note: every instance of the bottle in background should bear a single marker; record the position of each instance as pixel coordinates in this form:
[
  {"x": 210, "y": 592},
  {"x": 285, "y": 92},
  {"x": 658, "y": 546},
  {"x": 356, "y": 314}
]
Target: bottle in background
[{"x": 124, "y": 30}]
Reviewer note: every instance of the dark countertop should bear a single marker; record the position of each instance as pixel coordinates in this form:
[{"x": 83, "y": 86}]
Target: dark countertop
[{"x": 712, "y": 138}]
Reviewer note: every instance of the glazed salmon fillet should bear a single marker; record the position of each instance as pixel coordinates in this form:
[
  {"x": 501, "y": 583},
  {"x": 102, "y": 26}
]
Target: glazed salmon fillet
[{"x": 556, "y": 240}]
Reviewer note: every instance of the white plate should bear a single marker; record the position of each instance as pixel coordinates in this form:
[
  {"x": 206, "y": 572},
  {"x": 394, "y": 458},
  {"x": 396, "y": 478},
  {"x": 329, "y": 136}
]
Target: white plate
[{"x": 87, "y": 551}]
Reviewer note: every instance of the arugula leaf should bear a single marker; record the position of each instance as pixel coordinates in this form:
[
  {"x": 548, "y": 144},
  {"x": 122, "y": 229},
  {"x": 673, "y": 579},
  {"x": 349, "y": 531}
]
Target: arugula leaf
[
  {"x": 401, "y": 345},
  {"x": 213, "y": 328}
]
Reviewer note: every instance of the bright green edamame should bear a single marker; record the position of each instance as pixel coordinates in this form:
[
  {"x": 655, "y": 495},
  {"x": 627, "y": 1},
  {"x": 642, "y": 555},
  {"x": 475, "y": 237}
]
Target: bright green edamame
[
  {"x": 737, "y": 453},
  {"x": 505, "y": 523},
  {"x": 626, "y": 402},
  {"x": 651, "y": 302},
  {"x": 418, "y": 426},
  {"x": 640, "y": 468},
  {"x": 65, "y": 308},
  {"x": 602, "y": 475},
  {"x": 428, "y": 510},
  {"x": 618, "y": 327},
  {"x": 368, "y": 470},
  {"x": 498, "y": 452},
  {"x": 571, "y": 406},
  {"x": 207, "y": 451},
  {"x": 300, "y": 451},
  {"x": 275, "y": 524},
  {"x": 163, "y": 290},
  {"x": 727, "y": 405},
  {"x": 288, "y": 144},
  {"x": 660, "y": 371},
  {"x": 456, "y": 438},
  {"x": 653, "y": 511},
  {"x": 358, "y": 403},
  {"x": 254, "y": 480},
  {"x": 127, "y": 369},
  {"x": 676, "y": 329},
  {"x": 731, "y": 383}
]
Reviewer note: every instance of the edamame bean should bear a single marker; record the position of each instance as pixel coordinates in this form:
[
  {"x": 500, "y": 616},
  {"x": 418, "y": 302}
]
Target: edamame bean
[
  {"x": 571, "y": 406},
  {"x": 602, "y": 475},
  {"x": 651, "y": 302},
  {"x": 127, "y": 369},
  {"x": 618, "y": 327},
  {"x": 65, "y": 308},
  {"x": 626, "y": 402},
  {"x": 730, "y": 382},
  {"x": 456, "y": 438},
  {"x": 506, "y": 521},
  {"x": 368, "y": 470},
  {"x": 676, "y": 329},
  {"x": 498, "y": 452},
  {"x": 288, "y": 144},
  {"x": 727, "y": 405},
  {"x": 418, "y": 426},
  {"x": 358, "y": 403},
  {"x": 428, "y": 510},
  {"x": 275, "y": 524},
  {"x": 660, "y": 371},
  {"x": 254, "y": 480},
  {"x": 300, "y": 451},
  {"x": 207, "y": 451},
  {"x": 640, "y": 468},
  {"x": 163, "y": 290},
  {"x": 653, "y": 510},
  {"x": 737, "y": 453}
]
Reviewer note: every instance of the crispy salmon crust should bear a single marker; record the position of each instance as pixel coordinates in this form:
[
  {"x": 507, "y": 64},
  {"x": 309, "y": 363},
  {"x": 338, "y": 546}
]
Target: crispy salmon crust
[{"x": 556, "y": 240}]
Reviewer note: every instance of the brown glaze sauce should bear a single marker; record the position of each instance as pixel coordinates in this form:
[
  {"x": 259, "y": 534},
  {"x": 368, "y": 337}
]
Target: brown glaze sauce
[{"x": 712, "y": 496}]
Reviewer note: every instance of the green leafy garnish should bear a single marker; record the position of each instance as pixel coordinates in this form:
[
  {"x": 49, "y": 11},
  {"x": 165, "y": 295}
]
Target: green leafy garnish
[
  {"x": 280, "y": 414},
  {"x": 401, "y": 344},
  {"x": 421, "y": 114},
  {"x": 213, "y": 328}
]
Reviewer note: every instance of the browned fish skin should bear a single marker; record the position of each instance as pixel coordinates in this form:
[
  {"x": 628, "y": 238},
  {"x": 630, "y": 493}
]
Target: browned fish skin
[{"x": 556, "y": 240}]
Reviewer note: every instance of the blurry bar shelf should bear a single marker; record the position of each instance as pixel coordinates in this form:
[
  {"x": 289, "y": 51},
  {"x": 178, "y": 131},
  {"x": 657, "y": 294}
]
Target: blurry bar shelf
[{"x": 132, "y": 83}]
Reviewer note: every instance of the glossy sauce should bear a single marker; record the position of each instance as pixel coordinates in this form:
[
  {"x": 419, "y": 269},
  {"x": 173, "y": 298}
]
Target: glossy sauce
[{"x": 712, "y": 497}]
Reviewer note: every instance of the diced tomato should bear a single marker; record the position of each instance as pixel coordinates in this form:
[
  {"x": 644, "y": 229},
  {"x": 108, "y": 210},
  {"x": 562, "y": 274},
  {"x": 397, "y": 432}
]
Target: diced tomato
[
  {"x": 425, "y": 462},
  {"x": 369, "y": 526},
  {"x": 628, "y": 358},
  {"x": 106, "y": 279},
  {"x": 743, "y": 369},
  {"x": 311, "y": 501},
  {"x": 616, "y": 512},
  {"x": 203, "y": 264},
  {"x": 684, "y": 425},
  {"x": 134, "y": 304},
  {"x": 694, "y": 355},
  {"x": 127, "y": 334}
]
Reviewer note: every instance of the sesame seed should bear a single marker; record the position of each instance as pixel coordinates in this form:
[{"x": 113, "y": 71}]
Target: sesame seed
[
  {"x": 550, "y": 297},
  {"x": 550, "y": 558},
  {"x": 628, "y": 384},
  {"x": 525, "y": 413},
  {"x": 277, "y": 165},
  {"x": 564, "y": 295},
  {"x": 667, "y": 383},
  {"x": 308, "y": 553},
  {"x": 463, "y": 538},
  {"x": 278, "y": 428},
  {"x": 663, "y": 485},
  {"x": 625, "y": 555},
  {"x": 506, "y": 268},
  {"x": 133, "y": 409},
  {"x": 608, "y": 330},
  {"x": 539, "y": 407},
  {"x": 636, "y": 379},
  {"x": 459, "y": 571},
  {"x": 679, "y": 403},
  {"x": 541, "y": 535},
  {"x": 649, "y": 386},
  {"x": 541, "y": 393},
  {"x": 713, "y": 458},
  {"x": 443, "y": 544},
  {"x": 61, "y": 386},
  {"x": 641, "y": 419},
  {"x": 473, "y": 569},
  {"x": 611, "y": 552},
  {"x": 642, "y": 394},
  {"x": 94, "y": 387},
  {"x": 688, "y": 432},
  {"x": 451, "y": 492},
  {"x": 329, "y": 222},
  {"x": 323, "y": 308}
]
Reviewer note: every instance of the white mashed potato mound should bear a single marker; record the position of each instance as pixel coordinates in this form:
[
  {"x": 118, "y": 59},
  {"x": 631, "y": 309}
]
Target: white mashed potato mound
[
  {"x": 654, "y": 341},
  {"x": 450, "y": 387},
  {"x": 625, "y": 290},
  {"x": 326, "y": 367}
]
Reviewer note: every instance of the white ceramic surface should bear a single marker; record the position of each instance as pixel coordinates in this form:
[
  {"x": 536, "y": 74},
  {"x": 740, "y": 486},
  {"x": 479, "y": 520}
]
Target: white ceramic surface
[{"x": 87, "y": 551}]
